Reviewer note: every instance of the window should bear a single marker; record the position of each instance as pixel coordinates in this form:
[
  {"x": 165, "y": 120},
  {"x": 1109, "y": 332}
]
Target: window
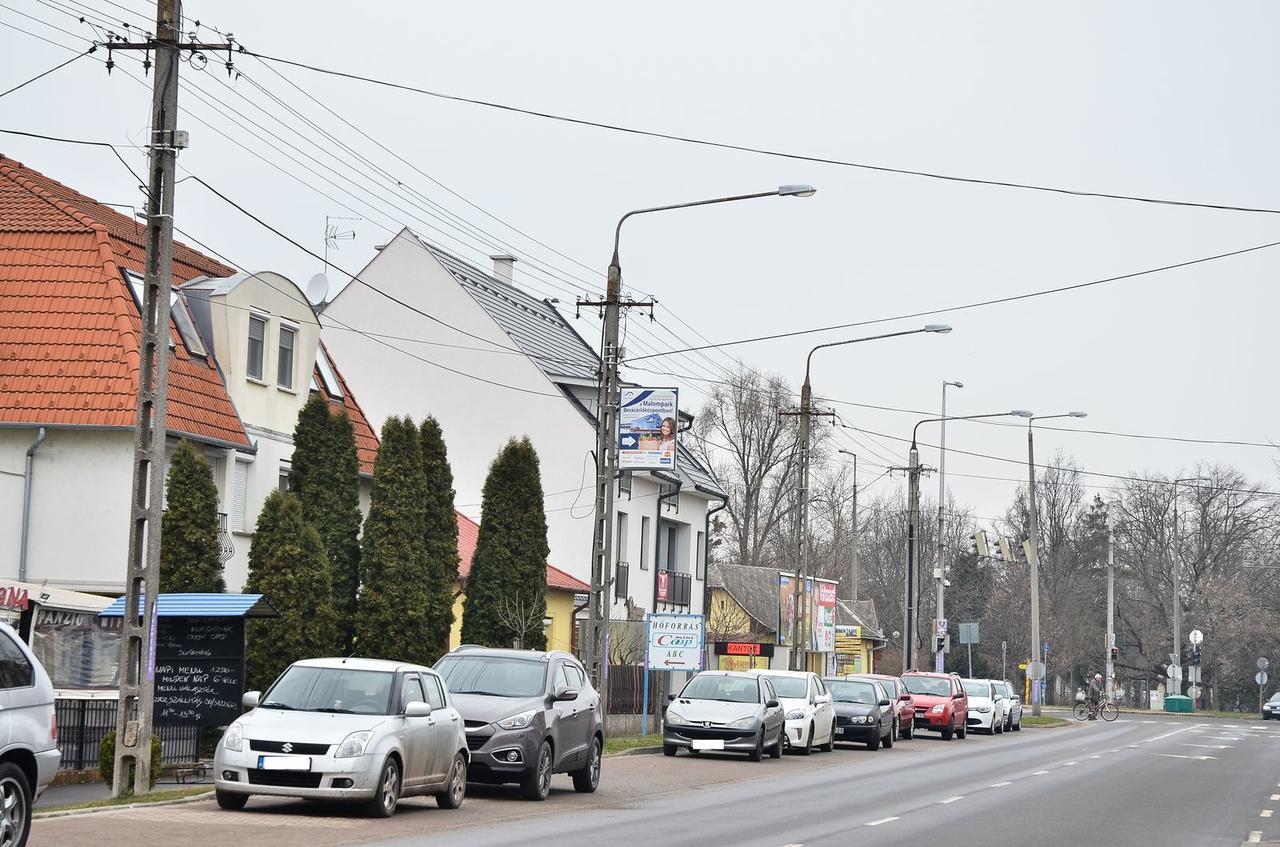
[
  {"x": 178, "y": 313},
  {"x": 284, "y": 364},
  {"x": 257, "y": 346},
  {"x": 624, "y": 483},
  {"x": 328, "y": 375},
  {"x": 239, "y": 496},
  {"x": 411, "y": 691},
  {"x": 567, "y": 680},
  {"x": 700, "y": 554},
  {"x": 15, "y": 668},
  {"x": 644, "y": 543},
  {"x": 621, "y": 529},
  {"x": 670, "y": 552},
  {"x": 435, "y": 696},
  {"x": 284, "y": 479}
]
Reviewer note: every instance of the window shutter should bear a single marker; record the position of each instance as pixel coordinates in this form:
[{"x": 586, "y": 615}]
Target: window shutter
[{"x": 239, "y": 496}]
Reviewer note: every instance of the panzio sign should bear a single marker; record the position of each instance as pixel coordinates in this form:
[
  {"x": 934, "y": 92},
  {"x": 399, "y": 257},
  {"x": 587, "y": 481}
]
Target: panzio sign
[
  {"x": 647, "y": 423},
  {"x": 674, "y": 642}
]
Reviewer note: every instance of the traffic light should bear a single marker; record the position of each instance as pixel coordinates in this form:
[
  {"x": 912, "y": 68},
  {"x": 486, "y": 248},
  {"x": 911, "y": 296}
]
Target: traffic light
[
  {"x": 1006, "y": 554},
  {"x": 1195, "y": 655},
  {"x": 939, "y": 643},
  {"x": 1115, "y": 653},
  {"x": 978, "y": 545}
]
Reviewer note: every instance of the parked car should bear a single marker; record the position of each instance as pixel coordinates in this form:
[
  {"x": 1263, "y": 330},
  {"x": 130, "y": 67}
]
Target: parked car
[
  {"x": 1271, "y": 709},
  {"x": 363, "y": 730},
  {"x": 724, "y": 710},
  {"x": 864, "y": 712},
  {"x": 29, "y": 754},
  {"x": 941, "y": 703},
  {"x": 904, "y": 707},
  {"x": 986, "y": 708},
  {"x": 1012, "y": 705},
  {"x": 528, "y": 715},
  {"x": 806, "y": 703}
]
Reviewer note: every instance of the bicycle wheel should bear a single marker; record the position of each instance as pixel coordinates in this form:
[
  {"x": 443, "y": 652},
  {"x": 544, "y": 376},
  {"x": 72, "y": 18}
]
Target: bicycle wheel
[
  {"x": 1081, "y": 711},
  {"x": 1110, "y": 711}
]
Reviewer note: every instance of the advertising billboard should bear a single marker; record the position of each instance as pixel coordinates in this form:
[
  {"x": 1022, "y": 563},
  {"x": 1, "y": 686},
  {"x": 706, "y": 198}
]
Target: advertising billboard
[
  {"x": 647, "y": 429},
  {"x": 816, "y": 605}
]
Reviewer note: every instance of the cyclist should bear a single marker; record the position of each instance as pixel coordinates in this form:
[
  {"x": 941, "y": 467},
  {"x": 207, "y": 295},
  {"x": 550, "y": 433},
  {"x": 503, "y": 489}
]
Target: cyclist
[{"x": 1094, "y": 695}]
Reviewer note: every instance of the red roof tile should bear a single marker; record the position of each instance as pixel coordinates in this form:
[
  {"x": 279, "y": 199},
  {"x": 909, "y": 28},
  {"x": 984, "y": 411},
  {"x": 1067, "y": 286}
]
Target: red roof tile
[
  {"x": 469, "y": 534},
  {"x": 366, "y": 438},
  {"x": 69, "y": 327}
]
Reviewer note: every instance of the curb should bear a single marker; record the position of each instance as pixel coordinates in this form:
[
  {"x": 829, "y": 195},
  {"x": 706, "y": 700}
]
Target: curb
[
  {"x": 68, "y": 813},
  {"x": 635, "y": 751}
]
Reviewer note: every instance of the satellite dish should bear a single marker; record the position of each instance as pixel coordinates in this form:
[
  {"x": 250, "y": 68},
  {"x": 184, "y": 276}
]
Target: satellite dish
[{"x": 317, "y": 289}]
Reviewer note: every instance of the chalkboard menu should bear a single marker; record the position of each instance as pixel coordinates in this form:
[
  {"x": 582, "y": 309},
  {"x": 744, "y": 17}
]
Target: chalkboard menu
[{"x": 199, "y": 670}]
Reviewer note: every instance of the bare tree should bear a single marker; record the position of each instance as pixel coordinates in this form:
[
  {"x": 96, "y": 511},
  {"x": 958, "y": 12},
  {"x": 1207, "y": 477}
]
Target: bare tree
[{"x": 522, "y": 615}]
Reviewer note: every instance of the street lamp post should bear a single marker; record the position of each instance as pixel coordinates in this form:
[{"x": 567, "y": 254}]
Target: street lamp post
[
  {"x": 799, "y": 653},
  {"x": 607, "y": 433},
  {"x": 913, "y": 521},
  {"x": 1175, "y": 567},
  {"x": 940, "y": 572},
  {"x": 855, "y": 575},
  {"x": 1033, "y": 556}
]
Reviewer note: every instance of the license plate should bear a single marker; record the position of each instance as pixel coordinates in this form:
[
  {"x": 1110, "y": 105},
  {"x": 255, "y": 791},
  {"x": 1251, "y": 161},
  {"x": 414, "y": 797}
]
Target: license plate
[
  {"x": 284, "y": 763},
  {"x": 707, "y": 744},
  {"x": 839, "y": 731}
]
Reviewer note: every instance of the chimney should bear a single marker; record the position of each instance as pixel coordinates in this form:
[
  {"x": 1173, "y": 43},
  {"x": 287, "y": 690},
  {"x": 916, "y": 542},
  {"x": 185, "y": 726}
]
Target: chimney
[{"x": 504, "y": 267}]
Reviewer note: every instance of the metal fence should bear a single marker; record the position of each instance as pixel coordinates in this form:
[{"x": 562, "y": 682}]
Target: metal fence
[
  {"x": 82, "y": 724},
  {"x": 626, "y": 689}
]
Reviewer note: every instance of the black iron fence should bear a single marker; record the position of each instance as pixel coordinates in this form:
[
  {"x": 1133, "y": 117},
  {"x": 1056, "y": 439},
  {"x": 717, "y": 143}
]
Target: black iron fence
[{"x": 82, "y": 724}]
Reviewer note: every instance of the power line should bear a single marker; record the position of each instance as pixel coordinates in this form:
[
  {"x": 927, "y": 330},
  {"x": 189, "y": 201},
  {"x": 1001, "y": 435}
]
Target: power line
[
  {"x": 743, "y": 148},
  {"x": 46, "y": 73}
]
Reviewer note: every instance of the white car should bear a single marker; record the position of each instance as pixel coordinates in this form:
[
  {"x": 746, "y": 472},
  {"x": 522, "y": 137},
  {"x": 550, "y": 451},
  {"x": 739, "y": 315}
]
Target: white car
[
  {"x": 28, "y": 736},
  {"x": 806, "y": 705},
  {"x": 986, "y": 706},
  {"x": 365, "y": 730},
  {"x": 1012, "y": 705}
]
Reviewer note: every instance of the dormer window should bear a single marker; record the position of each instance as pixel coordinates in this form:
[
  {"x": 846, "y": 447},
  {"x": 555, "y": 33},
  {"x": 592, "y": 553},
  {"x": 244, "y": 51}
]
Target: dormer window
[
  {"x": 257, "y": 346},
  {"x": 284, "y": 362}
]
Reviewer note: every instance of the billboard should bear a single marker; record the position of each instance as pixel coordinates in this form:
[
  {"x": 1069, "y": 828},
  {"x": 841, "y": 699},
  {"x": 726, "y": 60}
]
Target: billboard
[
  {"x": 647, "y": 429},
  {"x": 818, "y": 627},
  {"x": 674, "y": 642}
]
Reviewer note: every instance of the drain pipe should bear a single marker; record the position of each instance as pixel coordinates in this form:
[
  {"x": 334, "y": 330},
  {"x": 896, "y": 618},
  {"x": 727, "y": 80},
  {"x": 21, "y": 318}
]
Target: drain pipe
[{"x": 41, "y": 434}]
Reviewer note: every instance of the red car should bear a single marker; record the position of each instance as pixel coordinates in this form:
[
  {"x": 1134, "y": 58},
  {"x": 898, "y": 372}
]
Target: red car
[
  {"x": 904, "y": 707},
  {"x": 941, "y": 703}
]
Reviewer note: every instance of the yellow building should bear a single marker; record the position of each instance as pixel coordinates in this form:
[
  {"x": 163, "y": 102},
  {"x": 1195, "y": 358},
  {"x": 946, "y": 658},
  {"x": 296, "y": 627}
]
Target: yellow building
[{"x": 561, "y": 591}]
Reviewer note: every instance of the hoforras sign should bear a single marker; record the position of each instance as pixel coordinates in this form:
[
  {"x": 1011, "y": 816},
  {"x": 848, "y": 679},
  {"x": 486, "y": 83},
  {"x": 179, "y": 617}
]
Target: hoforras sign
[{"x": 674, "y": 642}]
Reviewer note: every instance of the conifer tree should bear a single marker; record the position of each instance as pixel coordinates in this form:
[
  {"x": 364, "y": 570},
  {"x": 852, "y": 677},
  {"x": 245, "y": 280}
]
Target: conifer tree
[
  {"x": 393, "y": 618},
  {"x": 507, "y": 586},
  {"x": 287, "y": 564},
  {"x": 190, "y": 558},
  {"x": 441, "y": 535}
]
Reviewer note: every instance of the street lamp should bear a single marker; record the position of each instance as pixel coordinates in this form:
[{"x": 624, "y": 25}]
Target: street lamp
[
  {"x": 607, "y": 432},
  {"x": 939, "y": 571},
  {"x": 854, "y": 575},
  {"x": 799, "y": 661},
  {"x": 1175, "y": 567},
  {"x": 1033, "y": 559},
  {"x": 913, "y": 500}
]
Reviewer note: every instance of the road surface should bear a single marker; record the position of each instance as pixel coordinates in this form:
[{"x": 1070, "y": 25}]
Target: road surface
[{"x": 1140, "y": 780}]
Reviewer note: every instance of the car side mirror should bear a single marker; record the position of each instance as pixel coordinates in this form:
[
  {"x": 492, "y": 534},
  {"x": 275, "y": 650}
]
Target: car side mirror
[
  {"x": 250, "y": 699},
  {"x": 885, "y": 703},
  {"x": 566, "y": 694},
  {"x": 671, "y": 698},
  {"x": 905, "y": 697},
  {"x": 772, "y": 704},
  {"x": 417, "y": 709}
]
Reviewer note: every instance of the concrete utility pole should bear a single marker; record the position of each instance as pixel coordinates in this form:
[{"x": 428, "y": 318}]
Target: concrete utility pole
[
  {"x": 1175, "y": 567},
  {"x": 940, "y": 569},
  {"x": 607, "y": 436},
  {"x": 142, "y": 582},
  {"x": 855, "y": 575},
  {"x": 1111, "y": 605}
]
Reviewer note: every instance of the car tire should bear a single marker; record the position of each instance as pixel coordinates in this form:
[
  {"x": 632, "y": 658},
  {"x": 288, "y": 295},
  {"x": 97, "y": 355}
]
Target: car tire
[
  {"x": 536, "y": 784},
  {"x": 947, "y": 732},
  {"x": 962, "y": 730},
  {"x": 873, "y": 743},
  {"x": 17, "y": 797},
  {"x": 831, "y": 739},
  {"x": 668, "y": 750},
  {"x": 229, "y": 801},
  {"x": 808, "y": 744},
  {"x": 889, "y": 739},
  {"x": 908, "y": 731},
  {"x": 997, "y": 729},
  {"x": 386, "y": 791},
  {"x": 757, "y": 752},
  {"x": 455, "y": 787},
  {"x": 1017, "y": 727},
  {"x": 587, "y": 778},
  {"x": 775, "y": 752}
]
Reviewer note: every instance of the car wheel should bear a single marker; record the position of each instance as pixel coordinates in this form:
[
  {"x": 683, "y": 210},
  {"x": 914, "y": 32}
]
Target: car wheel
[
  {"x": 668, "y": 749},
  {"x": 15, "y": 805},
  {"x": 888, "y": 739},
  {"x": 587, "y": 779},
  {"x": 962, "y": 730},
  {"x": 997, "y": 728},
  {"x": 808, "y": 743},
  {"x": 757, "y": 752},
  {"x": 229, "y": 801},
  {"x": 536, "y": 784},
  {"x": 909, "y": 731},
  {"x": 873, "y": 743},
  {"x": 387, "y": 792},
  {"x": 947, "y": 732},
  {"x": 1017, "y": 727},
  {"x": 831, "y": 739},
  {"x": 455, "y": 788},
  {"x": 775, "y": 752}
]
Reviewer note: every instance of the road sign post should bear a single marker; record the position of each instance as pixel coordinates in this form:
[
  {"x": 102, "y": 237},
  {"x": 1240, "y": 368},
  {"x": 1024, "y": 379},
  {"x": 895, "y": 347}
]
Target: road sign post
[
  {"x": 1261, "y": 678},
  {"x": 672, "y": 643}
]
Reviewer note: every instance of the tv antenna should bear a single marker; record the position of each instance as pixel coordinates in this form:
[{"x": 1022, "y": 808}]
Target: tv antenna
[{"x": 332, "y": 235}]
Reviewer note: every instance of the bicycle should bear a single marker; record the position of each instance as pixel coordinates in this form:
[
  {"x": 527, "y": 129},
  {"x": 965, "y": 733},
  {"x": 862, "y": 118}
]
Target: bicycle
[{"x": 1106, "y": 709}]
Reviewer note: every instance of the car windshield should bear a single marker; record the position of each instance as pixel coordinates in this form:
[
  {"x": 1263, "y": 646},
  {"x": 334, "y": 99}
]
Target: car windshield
[
  {"x": 730, "y": 689},
  {"x": 846, "y": 691},
  {"x": 1275, "y": 698},
  {"x": 1002, "y": 689},
  {"x": 496, "y": 676},
  {"x": 977, "y": 689},
  {"x": 304, "y": 688},
  {"x": 930, "y": 685},
  {"x": 791, "y": 687}
]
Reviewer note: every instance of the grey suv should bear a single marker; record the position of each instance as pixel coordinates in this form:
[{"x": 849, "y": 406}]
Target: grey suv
[{"x": 527, "y": 715}]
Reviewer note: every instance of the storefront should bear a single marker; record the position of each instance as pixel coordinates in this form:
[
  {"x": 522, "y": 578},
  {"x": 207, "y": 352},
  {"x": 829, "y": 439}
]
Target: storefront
[
  {"x": 742, "y": 655},
  {"x": 853, "y": 652},
  {"x": 80, "y": 650}
]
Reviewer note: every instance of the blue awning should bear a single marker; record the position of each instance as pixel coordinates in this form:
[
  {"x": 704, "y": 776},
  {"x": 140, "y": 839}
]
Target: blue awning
[{"x": 203, "y": 606}]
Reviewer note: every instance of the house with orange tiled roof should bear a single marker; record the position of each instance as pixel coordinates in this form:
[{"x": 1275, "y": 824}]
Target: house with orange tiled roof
[{"x": 245, "y": 353}]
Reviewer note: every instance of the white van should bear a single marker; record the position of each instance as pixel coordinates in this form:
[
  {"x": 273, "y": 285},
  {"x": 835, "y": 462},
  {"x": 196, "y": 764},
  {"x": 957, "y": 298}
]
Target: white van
[{"x": 28, "y": 735}]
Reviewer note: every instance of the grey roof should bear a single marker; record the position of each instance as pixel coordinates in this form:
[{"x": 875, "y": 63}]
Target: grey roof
[{"x": 754, "y": 589}]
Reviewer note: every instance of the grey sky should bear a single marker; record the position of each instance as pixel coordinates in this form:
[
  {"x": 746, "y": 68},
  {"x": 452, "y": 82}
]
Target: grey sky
[{"x": 1160, "y": 99}]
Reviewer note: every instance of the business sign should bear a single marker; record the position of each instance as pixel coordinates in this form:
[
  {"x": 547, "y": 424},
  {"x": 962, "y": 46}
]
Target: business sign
[
  {"x": 674, "y": 642},
  {"x": 824, "y": 617},
  {"x": 647, "y": 429},
  {"x": 743, "y": 648},
  {"x": 814, "y": 607},
  {"x": 14, "y": 598}
]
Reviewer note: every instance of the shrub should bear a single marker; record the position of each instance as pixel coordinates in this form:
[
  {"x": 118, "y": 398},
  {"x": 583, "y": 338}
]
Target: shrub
[{"x": 107, "y": 758}]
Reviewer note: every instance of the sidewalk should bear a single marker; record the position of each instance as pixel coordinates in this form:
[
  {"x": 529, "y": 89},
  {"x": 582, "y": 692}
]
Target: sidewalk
[{"x": 85, "y": 792}]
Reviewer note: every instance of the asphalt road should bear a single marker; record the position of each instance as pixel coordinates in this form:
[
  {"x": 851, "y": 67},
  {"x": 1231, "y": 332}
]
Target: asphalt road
[{"x": 1139, "y": 780}]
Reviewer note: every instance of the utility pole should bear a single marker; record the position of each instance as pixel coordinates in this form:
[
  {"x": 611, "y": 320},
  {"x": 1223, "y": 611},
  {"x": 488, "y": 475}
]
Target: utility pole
[
  {"x": 913, "y": 506},
  {"x": 799, "y": 652},
  {"x": 1033, "y": 561},
  {"x": 142, "y": 582},
  {"x": 1111, "y": 604},
  {"x": 940, "y": 569}
]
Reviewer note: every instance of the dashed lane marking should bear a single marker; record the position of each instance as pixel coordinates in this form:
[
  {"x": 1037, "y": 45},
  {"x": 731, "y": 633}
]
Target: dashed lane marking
[
  {"x": 1275, "y": 796},
  {"x": 1039, "y": 773},
  {"x": 1001, "y": 784},
  {"x": 1069, "y": 764},
  {"x": 881, "y": 821},
  {"x": 1180, "y": 756},
  {"x": 951, "y": 799},
  {"x": 1266, "y": 813},
  {"x": 1209, "y": 746},
  {"x": 1255, "y": 836},
  {"x": 1096, "y": 756}
]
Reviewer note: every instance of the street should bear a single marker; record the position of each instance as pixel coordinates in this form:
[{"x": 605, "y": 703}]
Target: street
[{"x": 1136, "y": 781}]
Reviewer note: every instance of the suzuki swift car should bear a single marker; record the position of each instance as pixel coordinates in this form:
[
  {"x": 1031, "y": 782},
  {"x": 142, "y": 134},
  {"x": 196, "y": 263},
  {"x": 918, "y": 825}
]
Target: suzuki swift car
[
  {"x": 724, "y": 710},
  {"x": 941, "y": 703},
  {"x": 986, "y": 706},
  {"x": 806, "y": 703},
  {"x": 364, "y": 730}
]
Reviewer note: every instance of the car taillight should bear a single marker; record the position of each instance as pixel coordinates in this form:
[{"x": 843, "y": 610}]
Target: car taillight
[{"x": 53, "y": 727}]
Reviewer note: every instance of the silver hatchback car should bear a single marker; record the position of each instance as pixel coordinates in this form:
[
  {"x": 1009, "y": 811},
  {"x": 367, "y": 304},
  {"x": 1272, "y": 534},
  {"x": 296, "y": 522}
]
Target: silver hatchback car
[{"x": 363, "y": 730}]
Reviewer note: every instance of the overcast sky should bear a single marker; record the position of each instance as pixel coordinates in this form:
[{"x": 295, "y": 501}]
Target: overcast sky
[{"x": 1171, "y": 100}]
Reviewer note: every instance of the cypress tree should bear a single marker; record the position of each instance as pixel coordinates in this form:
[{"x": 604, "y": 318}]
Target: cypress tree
[
  {"x": 288, "y": 565},
  {"x": 325, "y": 474},
  {"x": 507, "y": 587},
  {"x": 190, "y": 558},
  {"x": 393, "y": 620},
  {"x": 441, "y": 535}
]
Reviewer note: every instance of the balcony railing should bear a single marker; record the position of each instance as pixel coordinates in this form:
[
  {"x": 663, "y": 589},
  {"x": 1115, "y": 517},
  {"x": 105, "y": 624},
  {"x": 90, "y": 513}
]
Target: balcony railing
[
  {"x": 621, "y": 580},
  {"x": 674, "y": 587},
  {"x": 226, "y": 549}
]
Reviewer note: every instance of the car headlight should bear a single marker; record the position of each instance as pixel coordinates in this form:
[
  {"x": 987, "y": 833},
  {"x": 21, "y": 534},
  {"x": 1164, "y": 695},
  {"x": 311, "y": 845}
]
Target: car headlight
[
  {"x": 865, "y": 719},
  {"x": 233, "y": 739},
  {"x": 743, "y": 723},
  {"x": 938, "y": 709},
  {"x": 983, "y": 709},
  {"x": 795, "y": 715},
  {"x": 524, "y": 720},
  {"x": 354, "y": 745},
  {"x": 675, "y": 717}
]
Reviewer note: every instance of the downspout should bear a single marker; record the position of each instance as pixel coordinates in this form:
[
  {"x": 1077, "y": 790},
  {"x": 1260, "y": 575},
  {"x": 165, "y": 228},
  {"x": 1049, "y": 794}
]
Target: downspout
[
  {"x": 41, "y": 434},
  {"x": 706, "y": 575}
]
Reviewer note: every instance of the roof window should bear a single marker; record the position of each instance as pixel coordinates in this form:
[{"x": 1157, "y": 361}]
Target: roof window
[{"x": 178, "y": 313}]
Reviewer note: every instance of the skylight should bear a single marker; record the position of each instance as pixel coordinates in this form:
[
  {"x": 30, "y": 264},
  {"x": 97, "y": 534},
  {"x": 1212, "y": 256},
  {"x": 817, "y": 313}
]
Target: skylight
[{"x": 177, "y": 312}]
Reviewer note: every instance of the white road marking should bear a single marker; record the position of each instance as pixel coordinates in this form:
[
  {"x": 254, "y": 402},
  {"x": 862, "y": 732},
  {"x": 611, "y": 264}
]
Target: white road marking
[
  {"x": 1069, "y": 764},
  {"x": 1148, "y": 721},
  {"x": 951, "y": 799},
  {"x": 1096, "y": 756},
  {"x": 1266, "y": 813},
  {"x": 1001, "y": 784},
  {"x": 1039, "y": 773},
  {"x": 882, "y": 820},
  {"x": 1224, "y": 738},
  {"x": 1275, "y": 796},
  {"x": 1180, "y": 756},
  {"x": 1209, "y": 746},
  {"x": 1255, "y": 836}
]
